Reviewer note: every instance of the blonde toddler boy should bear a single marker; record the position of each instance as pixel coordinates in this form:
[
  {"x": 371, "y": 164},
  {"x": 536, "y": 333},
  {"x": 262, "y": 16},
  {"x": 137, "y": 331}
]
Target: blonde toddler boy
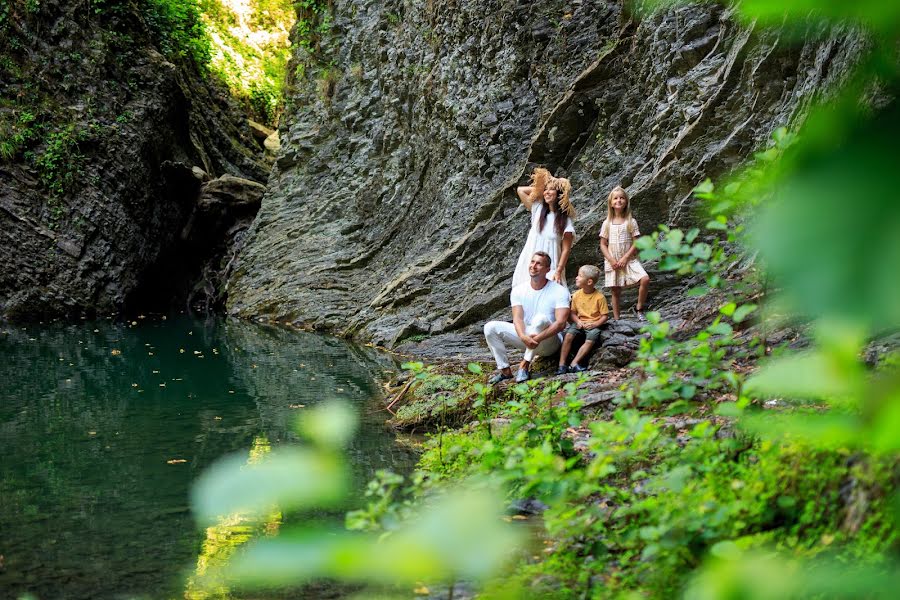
[{"x": 588, "y": 312}]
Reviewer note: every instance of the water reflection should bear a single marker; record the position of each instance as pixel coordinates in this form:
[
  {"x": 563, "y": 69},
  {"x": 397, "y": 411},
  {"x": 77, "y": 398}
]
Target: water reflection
[
  {"x": 224, "y": 538},
  {"x": 104, "y": 426}
]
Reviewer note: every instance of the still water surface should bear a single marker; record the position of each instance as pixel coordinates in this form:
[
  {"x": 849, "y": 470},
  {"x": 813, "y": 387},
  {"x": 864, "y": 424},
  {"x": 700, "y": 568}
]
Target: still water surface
[{"x": 104, "y": 426}]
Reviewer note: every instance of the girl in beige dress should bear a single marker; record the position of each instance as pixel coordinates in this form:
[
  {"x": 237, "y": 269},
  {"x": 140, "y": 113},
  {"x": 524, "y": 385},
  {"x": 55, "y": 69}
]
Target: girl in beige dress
[{"x": 617, "y": 235}]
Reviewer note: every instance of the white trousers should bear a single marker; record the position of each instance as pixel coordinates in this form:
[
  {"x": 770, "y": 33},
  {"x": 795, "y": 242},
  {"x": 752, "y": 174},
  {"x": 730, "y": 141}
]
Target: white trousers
[{"x": 500, "y": 334}]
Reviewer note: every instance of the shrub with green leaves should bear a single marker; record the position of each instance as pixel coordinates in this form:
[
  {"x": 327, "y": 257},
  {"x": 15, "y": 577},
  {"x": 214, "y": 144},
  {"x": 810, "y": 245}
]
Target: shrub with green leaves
[{"x": 458, "y": 534}]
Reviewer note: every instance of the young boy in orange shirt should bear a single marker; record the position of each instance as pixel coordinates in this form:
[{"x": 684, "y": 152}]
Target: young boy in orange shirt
[{"x": 589, "y": 312}]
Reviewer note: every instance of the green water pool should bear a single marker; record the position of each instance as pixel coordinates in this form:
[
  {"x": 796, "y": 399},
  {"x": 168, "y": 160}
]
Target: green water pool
[{"x": 105, "y": 425}]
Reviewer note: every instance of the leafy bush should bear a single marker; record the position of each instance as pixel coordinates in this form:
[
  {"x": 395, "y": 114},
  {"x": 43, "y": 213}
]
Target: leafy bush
[
  {"x": 17, "y": 135},
  {"x": 458, "y": 534},
  {"x": 178, "y": 28}
]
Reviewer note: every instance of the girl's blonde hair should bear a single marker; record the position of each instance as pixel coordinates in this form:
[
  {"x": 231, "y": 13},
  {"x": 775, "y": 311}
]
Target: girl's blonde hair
[{"x": 610, "y": 213}]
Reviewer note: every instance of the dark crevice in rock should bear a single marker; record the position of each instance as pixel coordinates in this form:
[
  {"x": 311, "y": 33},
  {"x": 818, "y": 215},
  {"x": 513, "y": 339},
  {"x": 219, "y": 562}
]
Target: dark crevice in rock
[{"x": 191, "y": 274}]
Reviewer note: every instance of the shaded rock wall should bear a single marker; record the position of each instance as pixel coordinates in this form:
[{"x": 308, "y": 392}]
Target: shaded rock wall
[
  {"x": 137, "y": 123},
  {"x": 391, "y": 211}
]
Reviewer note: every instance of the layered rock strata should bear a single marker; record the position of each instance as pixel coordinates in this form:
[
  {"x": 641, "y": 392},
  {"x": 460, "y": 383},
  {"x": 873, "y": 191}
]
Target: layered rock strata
[{"x": 391, "y": 211}]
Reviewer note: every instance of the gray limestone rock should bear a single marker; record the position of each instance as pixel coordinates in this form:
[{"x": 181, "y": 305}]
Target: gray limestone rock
[{"x": 391, "y": 211}]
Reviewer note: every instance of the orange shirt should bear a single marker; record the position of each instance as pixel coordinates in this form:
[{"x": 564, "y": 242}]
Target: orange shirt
[{"x": 589, "y": 307}]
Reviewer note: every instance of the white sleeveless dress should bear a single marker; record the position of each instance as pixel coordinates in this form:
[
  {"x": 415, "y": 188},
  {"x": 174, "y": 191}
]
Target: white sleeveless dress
[{"x": 546, "y": 240}]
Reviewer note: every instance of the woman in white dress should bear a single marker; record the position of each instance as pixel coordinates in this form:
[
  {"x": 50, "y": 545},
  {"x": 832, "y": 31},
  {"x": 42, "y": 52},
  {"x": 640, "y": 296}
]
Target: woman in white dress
[{"x": 552, "y": 230}]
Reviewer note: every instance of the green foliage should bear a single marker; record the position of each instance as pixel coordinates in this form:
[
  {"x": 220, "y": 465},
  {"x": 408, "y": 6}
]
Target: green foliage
[
  {"x": 178, "y": 28},
  {"x": 825, "y": 226},
  {"x": 528, "y": 432},
  {"x": 390, "y": 503},
  {"x": 459, "y": 534},
  {"x": 17, "y": 135},
  {"x": 845, "y": 193},
  {"x": 672, "y": 372},
  {"x": 60, "y": 164},
  {"x": 452, "y": 453},
  {"x": 664, "y": 503},
  {"x": 642, "y": 507},
  {"x": 313, "y": 22},
  {"x": 287, "y": 478},
  {"x": 250, "y": 51},
  {"x": 875, "y": 15},
  {"x": 435, "y": 397}
]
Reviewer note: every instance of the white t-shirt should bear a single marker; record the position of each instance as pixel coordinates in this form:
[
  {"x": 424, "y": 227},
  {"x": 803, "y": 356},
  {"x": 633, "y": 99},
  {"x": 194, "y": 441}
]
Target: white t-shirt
[{"x": 544, "y": 301}]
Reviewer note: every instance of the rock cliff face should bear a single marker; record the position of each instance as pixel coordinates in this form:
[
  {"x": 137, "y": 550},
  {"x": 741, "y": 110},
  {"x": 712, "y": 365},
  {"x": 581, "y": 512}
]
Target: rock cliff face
[
  {"x": 101, "y": 133},
  {"x": 391, "y": 211}
]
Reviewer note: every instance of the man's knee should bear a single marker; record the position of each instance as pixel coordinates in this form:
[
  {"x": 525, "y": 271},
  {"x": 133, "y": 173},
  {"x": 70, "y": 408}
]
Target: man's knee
[
  {"x": 539, "y": 323},
  {"x": 492, "y": 329}
]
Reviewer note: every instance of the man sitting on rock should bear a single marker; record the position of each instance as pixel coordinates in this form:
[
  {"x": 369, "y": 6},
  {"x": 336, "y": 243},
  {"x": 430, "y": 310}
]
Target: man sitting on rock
[{"x": 540, "y": 309}]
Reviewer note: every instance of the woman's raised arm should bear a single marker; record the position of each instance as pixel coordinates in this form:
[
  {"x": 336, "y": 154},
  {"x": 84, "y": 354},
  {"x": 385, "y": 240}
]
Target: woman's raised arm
[{"x": 524, "y": 192}]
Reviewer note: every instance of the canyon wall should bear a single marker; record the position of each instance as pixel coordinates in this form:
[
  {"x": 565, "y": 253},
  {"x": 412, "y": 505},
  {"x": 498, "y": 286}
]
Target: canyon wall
[{"x": 391, "y": 210}]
